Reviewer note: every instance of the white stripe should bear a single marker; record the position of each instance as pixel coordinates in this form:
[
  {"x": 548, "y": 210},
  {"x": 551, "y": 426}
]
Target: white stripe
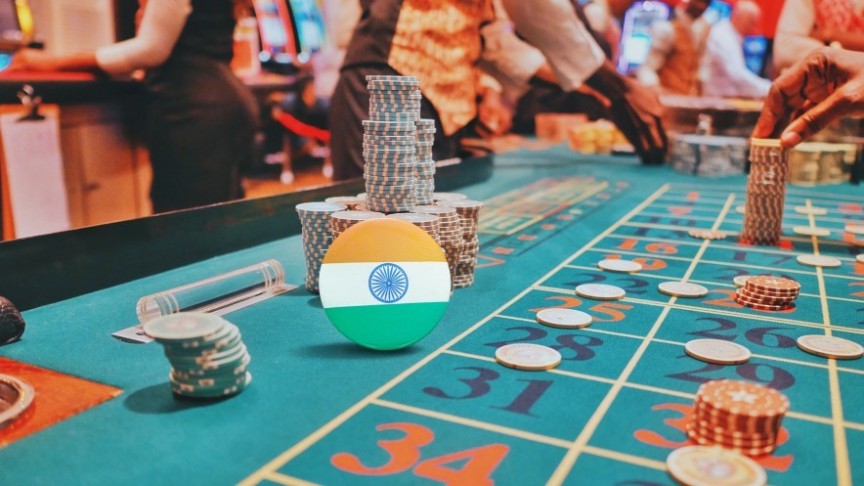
[{"x": 347, "y": 284}]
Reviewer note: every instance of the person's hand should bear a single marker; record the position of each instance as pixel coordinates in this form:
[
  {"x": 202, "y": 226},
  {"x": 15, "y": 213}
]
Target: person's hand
[
  {"x": 635, "y": 110},
  {"x": 827, "y": 85},
  {"x": 32, "y": 60},
  {"x": 495, "y": 119}
]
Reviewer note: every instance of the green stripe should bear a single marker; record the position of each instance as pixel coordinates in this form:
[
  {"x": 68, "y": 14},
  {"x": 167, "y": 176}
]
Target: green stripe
[{"x": 386, "y": 327}]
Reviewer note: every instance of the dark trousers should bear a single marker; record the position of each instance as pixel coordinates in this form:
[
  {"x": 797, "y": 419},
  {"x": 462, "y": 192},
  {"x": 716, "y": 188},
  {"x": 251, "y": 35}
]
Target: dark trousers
[
  {"x": 350, "y": 106},
  {"x": 200, "y": 130}
]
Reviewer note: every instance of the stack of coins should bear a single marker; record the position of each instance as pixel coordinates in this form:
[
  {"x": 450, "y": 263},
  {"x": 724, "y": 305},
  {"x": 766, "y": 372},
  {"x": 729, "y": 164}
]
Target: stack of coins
[
  {"x": 350, "y": 202},
  {"x": 425, "y": 163},
  {"x": 426, "y": 222},
  {"x": 768, "y": 293},
  {"x": 738, "y": 415},
  {"x": 342, "y": 220},
  {"x": 317, "y": 236},
  {"x": 766, "y": 192},
  {"x": 207, "y": 355},
  {"x": 390, "y": 143},
  {"x": 469, "y": 217},
  {"x": 449, "y": 232}
]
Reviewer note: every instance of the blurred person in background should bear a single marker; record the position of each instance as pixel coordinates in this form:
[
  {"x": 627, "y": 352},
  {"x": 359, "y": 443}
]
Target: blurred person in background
[
  {"x": 806, "y": 25},
  {"x": 677, "y": 47},
  {"x": 201, "y": 120},
  {"x": 441, "y": 43},
  {"x": 724, "y": 71}
]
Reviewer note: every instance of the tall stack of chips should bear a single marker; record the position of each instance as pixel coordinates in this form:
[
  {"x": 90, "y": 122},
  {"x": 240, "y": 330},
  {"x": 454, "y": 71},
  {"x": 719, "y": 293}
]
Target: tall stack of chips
[
  {"x": 738, "y": 415},
  {"x": 426, "y": 222},
  {"x": 766, "y": 192},
  {"x": 469, "y": 217},
  {"x": 342, "y": 220},
  {"x": 425, "y": 163},
  {"x": 390, "y": 143},
  {"x": 207, "y": 354},
  {"x": 317, "y": 236},
  {"x": 449, "y": 232},
  {"x": 768, "y": 293}
]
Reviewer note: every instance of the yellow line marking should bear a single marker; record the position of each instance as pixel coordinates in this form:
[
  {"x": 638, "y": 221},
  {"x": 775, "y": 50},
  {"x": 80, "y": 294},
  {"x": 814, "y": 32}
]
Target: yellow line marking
[
  {"x": 280, "y": 478},
  {"x": 477, "y": 424},
  {"x": 581, "y": 441},
  {"x": 628, "y": 458},
  {"x": 324, "y": 430},
  {"x": 841, "y": 451}
]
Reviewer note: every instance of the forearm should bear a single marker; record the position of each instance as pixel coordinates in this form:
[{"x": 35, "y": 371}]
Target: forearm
[
  {"x": 849, "y": 40},
  {"x": 75, "y": 62}
]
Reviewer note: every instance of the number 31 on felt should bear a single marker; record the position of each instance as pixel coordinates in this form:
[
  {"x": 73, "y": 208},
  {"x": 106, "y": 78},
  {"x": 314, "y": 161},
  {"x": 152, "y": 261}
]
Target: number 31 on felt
[{"x": 405, "y": 452}]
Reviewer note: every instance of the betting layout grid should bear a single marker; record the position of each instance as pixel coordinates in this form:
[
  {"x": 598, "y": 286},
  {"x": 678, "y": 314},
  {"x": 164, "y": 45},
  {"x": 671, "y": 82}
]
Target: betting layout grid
[{"x": 635, "y": 385}]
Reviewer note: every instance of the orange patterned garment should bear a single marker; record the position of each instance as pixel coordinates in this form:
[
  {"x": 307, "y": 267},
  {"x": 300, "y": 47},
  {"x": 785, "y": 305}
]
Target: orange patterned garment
[
  {"x": 839, "y": 15},
  {"x": 439, "y": 43}
]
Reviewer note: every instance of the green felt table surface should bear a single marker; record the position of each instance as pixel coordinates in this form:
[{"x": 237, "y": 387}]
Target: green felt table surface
[{"x": 323, "y": 410}]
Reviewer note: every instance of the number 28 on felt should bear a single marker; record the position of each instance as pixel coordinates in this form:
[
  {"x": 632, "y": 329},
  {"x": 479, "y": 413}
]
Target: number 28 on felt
[{"x": 406, "y": 453}]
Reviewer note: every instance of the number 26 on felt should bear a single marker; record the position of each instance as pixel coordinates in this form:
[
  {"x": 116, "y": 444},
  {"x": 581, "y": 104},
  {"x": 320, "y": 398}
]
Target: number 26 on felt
[{"x": 406, "y": 453}]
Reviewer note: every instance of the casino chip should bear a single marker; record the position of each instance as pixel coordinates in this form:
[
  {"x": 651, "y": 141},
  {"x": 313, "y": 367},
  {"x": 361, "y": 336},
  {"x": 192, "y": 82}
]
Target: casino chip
[
  {"x": 714, "y": 466},
  {"x": 811, "y": 211},
  {"x": 207, "y": 355},
  {"x": 737, "y": 415},
  {"x": 317, "y": 235},
  {"x": 600, "y": 292},
  {"x": 16, "y": 396},
  {"x": 717, "y": 351},
  {"x": 12, "y": 324},
  {"x": 860, "y": 258},
  {"x": 707, "y": 234},
  {"x": 528, "y": 357},
  {"x": 385, "y": 284},
  {"x": 830, "y": 347},
  {"x": 682, "y": 289},
  {"x": 855, "y": 228},
  {"x": 622, "y": 266},
  {"x": 564, "y": 318},
  {"x": 818, "y": 261},
  {"x": 740, "y": 280},
  {"x": 811, "y": 231},
  {"x": 740, "y": 209}
]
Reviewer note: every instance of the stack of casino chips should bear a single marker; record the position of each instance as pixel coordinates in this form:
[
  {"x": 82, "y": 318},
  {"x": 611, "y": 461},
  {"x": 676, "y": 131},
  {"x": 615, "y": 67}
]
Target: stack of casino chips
[
  {"x": 449, "y": 232},
  {"x": 738, "y": 415},
  {"x": 425, "y": 163},
  {"x": 317, "y": 236},
  {"x": 469, "y": 217},
  {"x": 342, "y": 220},
  {"x": 768, "y": 293},
  {"x": 390, "y": 143},
  {"x": 427, "y": 222},
  {"x": 207, "y": 355},
  {"x": 766, "y": 193},
  {"x": 351, "y": 202}
]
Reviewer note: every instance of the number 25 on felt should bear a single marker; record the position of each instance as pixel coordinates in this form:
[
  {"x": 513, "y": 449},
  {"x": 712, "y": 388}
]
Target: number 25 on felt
[
  {"x": 406, "y": 453},
  {"x": 614, "y": 311}
]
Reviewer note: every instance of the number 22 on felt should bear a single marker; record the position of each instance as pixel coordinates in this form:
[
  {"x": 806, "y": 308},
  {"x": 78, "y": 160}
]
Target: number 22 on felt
[{"x": 406, "y": 453}]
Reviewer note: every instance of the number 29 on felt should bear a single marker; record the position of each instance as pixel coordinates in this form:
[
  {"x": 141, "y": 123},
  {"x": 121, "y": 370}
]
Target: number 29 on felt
[{"x": 405, "y": 453}]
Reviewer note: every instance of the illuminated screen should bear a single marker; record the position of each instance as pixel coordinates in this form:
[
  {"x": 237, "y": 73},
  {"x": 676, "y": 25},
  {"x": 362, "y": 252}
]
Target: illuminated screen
[
  {"x": 309, "y": 24},
  {"x": 274, "y": 26}
]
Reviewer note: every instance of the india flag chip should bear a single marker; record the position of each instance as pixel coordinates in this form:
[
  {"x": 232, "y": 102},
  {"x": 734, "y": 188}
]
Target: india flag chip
[{"x": 385, "y": 283}]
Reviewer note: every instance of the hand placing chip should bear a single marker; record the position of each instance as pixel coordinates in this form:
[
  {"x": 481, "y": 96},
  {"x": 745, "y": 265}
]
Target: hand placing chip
[
  {"x": 635, "y": 110},
  {"x": 821, "y": 88}
]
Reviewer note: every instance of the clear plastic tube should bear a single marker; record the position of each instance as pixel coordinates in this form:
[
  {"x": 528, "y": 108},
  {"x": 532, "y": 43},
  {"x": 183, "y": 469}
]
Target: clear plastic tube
[{"x": 232, "y": 289}]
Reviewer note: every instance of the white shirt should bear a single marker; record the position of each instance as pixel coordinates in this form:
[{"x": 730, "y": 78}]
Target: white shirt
[
  {"x": 553, "y": 27},
  {"x": 160, "y": 28},
  {"x": 724, "y": 71}
]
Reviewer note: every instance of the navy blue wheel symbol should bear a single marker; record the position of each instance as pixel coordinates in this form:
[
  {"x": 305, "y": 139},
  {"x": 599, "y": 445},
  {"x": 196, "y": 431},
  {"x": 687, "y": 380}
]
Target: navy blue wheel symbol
[{"x": 388, "y": 283}]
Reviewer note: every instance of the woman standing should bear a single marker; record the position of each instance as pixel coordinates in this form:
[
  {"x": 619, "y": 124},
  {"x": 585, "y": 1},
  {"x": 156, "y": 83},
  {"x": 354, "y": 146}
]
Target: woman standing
[{"x": 201, "y": 119}]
